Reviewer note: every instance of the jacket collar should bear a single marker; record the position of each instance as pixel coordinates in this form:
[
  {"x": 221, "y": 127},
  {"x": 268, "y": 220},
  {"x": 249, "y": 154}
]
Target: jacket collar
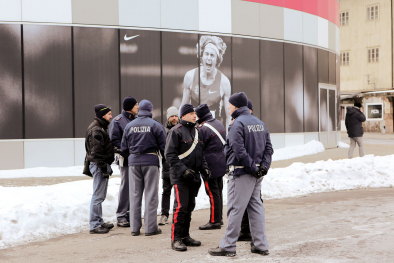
[
  {"x": 240, "y": 111},
  {"x": 187, "y": 124},
  {"x": 128, "y": 115},
  {"x": 145, "y": 114},
  {"x": 207, "y": 117},
  {"x": 102, "y": 123}
]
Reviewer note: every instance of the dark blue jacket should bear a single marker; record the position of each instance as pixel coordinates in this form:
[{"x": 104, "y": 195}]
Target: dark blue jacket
[
  {"x": 248, "y": 143},
  {"x": 117, "y": 127},
  {"x": 213, "y": 146},
  {"x": 141, "y": 137}
]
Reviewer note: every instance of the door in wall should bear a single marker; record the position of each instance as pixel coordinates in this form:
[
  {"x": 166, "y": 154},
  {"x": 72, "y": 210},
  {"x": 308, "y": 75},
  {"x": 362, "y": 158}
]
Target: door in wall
[{"x": 327, "y": 115}]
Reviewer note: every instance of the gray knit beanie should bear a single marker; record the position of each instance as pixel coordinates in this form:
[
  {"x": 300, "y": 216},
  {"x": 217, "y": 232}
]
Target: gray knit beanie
[{"x": 171, "y": 111}]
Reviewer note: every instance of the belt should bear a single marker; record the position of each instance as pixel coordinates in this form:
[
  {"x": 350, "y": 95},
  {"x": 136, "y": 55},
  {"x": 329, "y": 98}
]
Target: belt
[
  {"x": 231, "y": 168},
  {"x": 158, "y": 155}
]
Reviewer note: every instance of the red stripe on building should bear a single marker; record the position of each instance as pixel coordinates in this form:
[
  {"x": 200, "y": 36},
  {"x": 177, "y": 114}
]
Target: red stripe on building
[
  {"x": 212, "y": 203},
  {"x": 327, "y": 9},
  {"x": 176, "y": 211}
]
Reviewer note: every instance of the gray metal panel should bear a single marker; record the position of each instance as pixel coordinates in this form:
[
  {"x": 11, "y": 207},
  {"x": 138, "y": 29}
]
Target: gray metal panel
[
  {"x": 140, "y": 67},
  {"x": 271, "y": 21},
  {"x": 311, "y": 137},
  {"x": 245, "y": 18},
  {"x": 79, "y": 152},
  {"x": 179, "y": 14},
  {"x": 277, "y": 140},
  {"x": 294, "y": 89},
  {"x": 49, "y": 153},
  {"x": 272, "y": 85},
  {"x": 99, "y": 12},
  {"x": 48, "y": 82},
  {"x": 11, "y": 155},
  {"x": 139, "y": 13},
  {"x": 331, "y": 109},
  {"x": 96, "y": 73},
  {"x": 332, "y": 36},
  {"x": 332, "y": 68},
  {"x": 323, "y": 110},
  {"x": 311, "y": 90},
  {"x": 309, "y": 29},
  {"x": 322, "y": 60},
  {"x": 246, "y": 74},
  {"x": 11, "y": 121},
  {"x": 292, "y": 25}
]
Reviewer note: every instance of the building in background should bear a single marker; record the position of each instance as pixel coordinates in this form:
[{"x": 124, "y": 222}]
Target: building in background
[
  {"x": 59, "y": 58},
  {"x": 366, "y": 60}
]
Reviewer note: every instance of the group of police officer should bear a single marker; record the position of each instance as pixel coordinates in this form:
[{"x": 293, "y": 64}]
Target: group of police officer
[{"x": 186, "y": 150}]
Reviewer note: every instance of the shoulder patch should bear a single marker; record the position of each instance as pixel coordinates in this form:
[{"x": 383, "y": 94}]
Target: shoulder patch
[{"x": 118, "y": 118}]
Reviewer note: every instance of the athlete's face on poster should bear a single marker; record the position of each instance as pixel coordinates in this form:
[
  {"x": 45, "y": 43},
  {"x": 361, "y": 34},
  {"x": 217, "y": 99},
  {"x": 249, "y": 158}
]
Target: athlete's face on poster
[{"x": 209, "y": 59}]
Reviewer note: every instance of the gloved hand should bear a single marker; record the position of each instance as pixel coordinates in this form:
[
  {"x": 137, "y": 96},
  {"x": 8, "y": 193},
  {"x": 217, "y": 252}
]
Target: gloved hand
[
  {"x": 189, "y": 174},
  {"x": 206, "y": 173},
  {"x": 263, "y": 170},
  {"x": 106, "y": 175},
  {"x": 117, "y": 150}
]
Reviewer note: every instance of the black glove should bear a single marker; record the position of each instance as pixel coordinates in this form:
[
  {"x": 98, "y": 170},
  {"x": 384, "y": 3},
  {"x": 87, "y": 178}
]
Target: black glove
[
  {"x": 106, "y": 175},
  {"x": 263, "y": 170},
  {"x": 206, "y": 173},
  {"x": 189, "y": 174},
  {"x": 117, "y": 150}
]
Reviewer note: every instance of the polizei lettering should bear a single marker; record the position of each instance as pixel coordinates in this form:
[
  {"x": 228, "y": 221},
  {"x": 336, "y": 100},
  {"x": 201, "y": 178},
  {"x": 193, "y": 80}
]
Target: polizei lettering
[
  {"x": 256, "y": 128},
  {"x": 140, "y": 129}
]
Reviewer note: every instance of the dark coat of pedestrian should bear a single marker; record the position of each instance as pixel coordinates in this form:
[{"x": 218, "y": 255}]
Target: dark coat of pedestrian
[{"x": 353, "y": 121}]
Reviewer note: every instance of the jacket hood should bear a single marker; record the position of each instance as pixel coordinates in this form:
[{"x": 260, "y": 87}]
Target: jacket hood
[
  {"x": 352, "y": 110},
  {"x": 145, "y": 113},
  {"x": 240, "y": 111}
]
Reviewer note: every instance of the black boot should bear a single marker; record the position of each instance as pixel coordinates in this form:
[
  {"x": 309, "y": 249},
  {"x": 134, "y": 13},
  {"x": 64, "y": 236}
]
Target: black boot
[
  {"x": 123, "y": 224},
  {"x": 99, "y": 230},
  {"x": 107, "y": 225},
  {"x": 157, "y": 232},
  {"x": 220, "y": 252},
  {"x": 190, "y": 242},
  {"x": 209, "y": 226},
  {"x": 254, "y": 249},
  {"x": 244, "y": 237},
  {"x": 178, "y": 245}
]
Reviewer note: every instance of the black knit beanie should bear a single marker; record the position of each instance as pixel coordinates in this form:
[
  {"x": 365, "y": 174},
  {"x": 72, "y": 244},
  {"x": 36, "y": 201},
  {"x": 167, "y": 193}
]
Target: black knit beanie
[
  {"x": 202, "y": 110},
  {"x": 185, "y": 109},
  {"x": 101, "y": 110},
  {"x": 239, "y": 99},
  {"x": 129, "y": 103}
]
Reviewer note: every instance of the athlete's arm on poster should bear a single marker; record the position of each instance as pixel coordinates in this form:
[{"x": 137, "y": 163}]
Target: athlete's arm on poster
[
  {"x": 226, "y": 86},
  {"x": 187, "y": 82}
]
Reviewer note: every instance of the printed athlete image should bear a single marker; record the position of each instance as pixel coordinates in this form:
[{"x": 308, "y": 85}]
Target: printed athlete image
[{"x": 214, "y": 88}]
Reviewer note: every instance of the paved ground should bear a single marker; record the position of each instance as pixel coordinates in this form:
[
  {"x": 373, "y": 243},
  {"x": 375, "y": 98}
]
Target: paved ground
[{"x": 345, "y": 226}]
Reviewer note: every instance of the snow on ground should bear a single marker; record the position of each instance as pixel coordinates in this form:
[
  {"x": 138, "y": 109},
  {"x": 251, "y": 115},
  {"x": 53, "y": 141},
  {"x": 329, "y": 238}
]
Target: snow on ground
[
  {"x": 343, "y": 145},
  {"x": 309, "y": 148},
  {"x": 41, "y": 212}
]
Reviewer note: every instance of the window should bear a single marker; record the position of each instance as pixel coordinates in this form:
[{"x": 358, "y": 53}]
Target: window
[
  {"x": 373, "y": 55},
  {"x": 374, "y": 111},
  {"x": 345, "y": 58},
  {"x": 373, "y": 13},
  {"x": 344, "y": 18}
]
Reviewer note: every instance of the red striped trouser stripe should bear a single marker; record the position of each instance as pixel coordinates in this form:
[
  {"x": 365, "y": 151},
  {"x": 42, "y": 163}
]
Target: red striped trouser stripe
[
  {"x": 176, "y": 212},
  {"x": 212, "y": 203}
]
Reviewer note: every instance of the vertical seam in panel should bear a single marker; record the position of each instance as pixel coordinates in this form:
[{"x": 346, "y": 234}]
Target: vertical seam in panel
[
  {"x": 303, "y": 89},
  {"x": 261, "y": 113},
  {"x": 284, "y": 91},
  {"x": 120, "y": 74},
  {"x": 23, "y": 85},
  {"x": 161, "y": 76},
  {"x": 199, "y": 69},
  {"x": 73, "y": 82},
  {"x": 232, "y": 83}
]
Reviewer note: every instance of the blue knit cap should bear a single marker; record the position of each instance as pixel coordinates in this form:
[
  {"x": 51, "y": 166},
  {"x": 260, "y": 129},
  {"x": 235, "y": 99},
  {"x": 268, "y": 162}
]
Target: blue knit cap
[
  {"x": 239, "y": 99},
  {"x": 250, "y": 105}
]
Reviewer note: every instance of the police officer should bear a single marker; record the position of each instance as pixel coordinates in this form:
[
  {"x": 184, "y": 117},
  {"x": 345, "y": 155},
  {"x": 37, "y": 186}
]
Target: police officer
[
  {"x": 99, "y": 156},
  {"x": 172, "y": 120},
  {"x": 116, "y": 128},
  {"x": 213, "y": 137},
  {"x": 184, "y": 153},
  {"x": 248, "y": 152},
  {"x": 144, "y": 143}
]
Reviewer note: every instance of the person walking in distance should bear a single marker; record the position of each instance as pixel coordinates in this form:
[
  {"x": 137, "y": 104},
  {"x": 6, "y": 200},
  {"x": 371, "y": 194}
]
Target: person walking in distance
[
  {"x": 144, "y": 143},
  {"x": 184, "y": 153},
  {"x": 99, "y": 156},
  {"x": 116, "y": 128},
  {"x": 248, "y": 152},
  {"x": 213, "y": 137},
  {"x": 353, "y": 121},
  {"x": 172, "y": 120}
]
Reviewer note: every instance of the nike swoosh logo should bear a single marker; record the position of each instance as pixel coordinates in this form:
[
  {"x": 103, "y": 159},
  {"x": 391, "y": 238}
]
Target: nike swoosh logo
[
  {"x": 211, "y": 92},
  {"x": 128, "y": 38}
]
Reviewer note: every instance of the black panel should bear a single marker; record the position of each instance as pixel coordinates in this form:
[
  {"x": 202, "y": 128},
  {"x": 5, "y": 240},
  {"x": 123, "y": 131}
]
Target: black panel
[
  {"x": 322, "y": 58},
  {"x": 331, "y": 122},
  {"x": 48, "y": 81},
  {"x": 246, "y": 70},
  {"x": 294, "y": 89},
  {"x": 272, "y": 86},
  {"x": 338, "y": 82},
  {"x": 215, "y": 75},
  {"x": 311, "y": 91},
  {"x": 140, "y": 67},
  {"x": 179, "y": 64},
  {"x": 11, "y": 120},
  {"x": 96, "y": 73},
  {"x": 323, "y": 110},
  {"x": 332, "y": 68}
]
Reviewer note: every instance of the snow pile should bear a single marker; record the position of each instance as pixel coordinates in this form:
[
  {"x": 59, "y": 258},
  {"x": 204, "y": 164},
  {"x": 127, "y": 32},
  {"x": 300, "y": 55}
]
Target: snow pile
[
  {"x": 286, "y": 153},
  {"x": 343, "y": 145},
  {"x": 41, "y": 212},
  {"x": 48, "y": 172}
]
